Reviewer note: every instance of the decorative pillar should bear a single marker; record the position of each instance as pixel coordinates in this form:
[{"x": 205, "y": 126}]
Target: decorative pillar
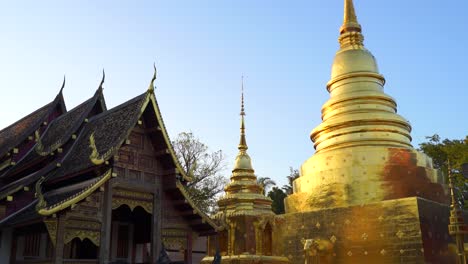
[
  {"x": 258, "y": 239},
  {"x": 188, "y": 259},
  {"x": 106, "y": 226},
  {"x": 232, "y": 238}
]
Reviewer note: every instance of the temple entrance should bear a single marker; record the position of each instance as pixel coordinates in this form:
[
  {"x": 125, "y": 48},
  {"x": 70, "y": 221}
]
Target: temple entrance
[
  {"x": 131, "y": 235},
  {"x": 80, "y": 249}
]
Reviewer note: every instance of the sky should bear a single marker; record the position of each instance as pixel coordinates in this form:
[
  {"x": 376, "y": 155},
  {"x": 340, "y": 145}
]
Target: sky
[{"x": 202, "y": 48}]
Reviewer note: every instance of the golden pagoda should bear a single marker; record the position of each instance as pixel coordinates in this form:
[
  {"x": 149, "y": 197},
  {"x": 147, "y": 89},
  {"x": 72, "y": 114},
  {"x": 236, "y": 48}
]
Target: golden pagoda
[
  {"x": 245, "y": 213},
  {"x": 363, "y": 147},
  {"x": 365, "y": 196}
]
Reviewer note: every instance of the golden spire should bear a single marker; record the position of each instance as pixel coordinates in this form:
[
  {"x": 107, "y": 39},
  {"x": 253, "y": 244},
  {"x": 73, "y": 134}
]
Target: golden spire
[
  {"x": 243, "y": 194},
  {"x": 371, "y": 119},
  {"x": 243, "y": 143},
  {"x": 350, "y": 22}
]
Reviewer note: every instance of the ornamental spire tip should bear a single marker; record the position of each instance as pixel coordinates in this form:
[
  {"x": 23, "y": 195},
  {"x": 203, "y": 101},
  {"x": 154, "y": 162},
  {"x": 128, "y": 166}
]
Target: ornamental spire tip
[
  {"x": 243, "y": 141},
  {"x": 350, "y": 22}
]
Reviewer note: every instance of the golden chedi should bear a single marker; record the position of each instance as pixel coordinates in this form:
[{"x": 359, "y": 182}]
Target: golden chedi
[
  {"x": 245, "y": 214},
  {"x": 363, "y": 147}
]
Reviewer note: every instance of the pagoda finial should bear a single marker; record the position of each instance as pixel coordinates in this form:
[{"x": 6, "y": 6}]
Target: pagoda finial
[
  {"x": 350, "y": 22},
  {"x": 151, "y": 86},
  {"x": 243, "y": 142},
  {"x": 103, "y": 79}
]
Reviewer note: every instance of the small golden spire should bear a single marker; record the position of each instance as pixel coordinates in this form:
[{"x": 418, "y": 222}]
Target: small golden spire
[
  {"x": 243, "y": 142},
  {"x": 350, "y": 22},
  {"x": 457, "y": 227},
  {"x": 151, "y": 86}
]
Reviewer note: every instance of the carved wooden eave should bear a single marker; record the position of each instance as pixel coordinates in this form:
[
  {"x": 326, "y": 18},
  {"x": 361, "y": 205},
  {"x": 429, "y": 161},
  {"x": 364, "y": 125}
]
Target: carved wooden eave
[
  {"x": 58, "y": 133},
  {"x": 51, "y": 209},
  {"x": 151, "y": 98},
  {"x": 25, "y": 182},
  {"x": 77, "y": 116},
  {"x": 132, "y": 199},
  {"x": 205, "y": 218},
  {"x": 28, "y": 125}
]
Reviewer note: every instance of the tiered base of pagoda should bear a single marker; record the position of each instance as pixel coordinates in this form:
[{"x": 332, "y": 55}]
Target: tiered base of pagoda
[
  {"x": 249, "y": 259},
  {"x": 409, "y": 230}
]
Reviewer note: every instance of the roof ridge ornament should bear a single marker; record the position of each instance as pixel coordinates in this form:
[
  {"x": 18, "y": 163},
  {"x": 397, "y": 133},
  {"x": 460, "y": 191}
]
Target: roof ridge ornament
[
  {"x": 103, "y": 79},
  {"x": 63, "y": 85},
  {"x": 41, "y": 202},
  {"x": 151, "y": 86}
]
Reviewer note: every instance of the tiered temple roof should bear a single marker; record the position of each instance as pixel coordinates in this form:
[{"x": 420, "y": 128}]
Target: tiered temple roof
[{"x": 71, "y": 154}]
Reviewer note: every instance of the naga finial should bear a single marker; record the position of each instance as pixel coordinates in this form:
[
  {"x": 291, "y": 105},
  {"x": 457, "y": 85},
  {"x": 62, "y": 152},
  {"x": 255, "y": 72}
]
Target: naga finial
[
  {"x": 103, "y": 79},
  {"x": 41, "y": 202},
  {"x": 63, "y": 84},
  {"x": 151, "y": 86}
]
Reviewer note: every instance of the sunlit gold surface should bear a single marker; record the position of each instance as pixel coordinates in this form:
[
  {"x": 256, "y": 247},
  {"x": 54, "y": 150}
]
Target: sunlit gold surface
[
  {"x": 363, "y": 147},
  {"x": 365, "y": 196},
  {"x": 408, "y": 230}
]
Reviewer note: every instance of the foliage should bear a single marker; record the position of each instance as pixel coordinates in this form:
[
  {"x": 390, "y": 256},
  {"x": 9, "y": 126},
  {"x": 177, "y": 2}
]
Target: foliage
[
  {"x": 277, "y": 195},
  {"x": 265, "y": 183},
  {"x": 293, "y": 174},
  {"x": 444, "y": 151},
  {"x": 203, "y": 167}
]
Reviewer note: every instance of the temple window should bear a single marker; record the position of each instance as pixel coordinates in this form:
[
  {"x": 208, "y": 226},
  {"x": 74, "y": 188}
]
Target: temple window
[{"x": 32, "y": 245}]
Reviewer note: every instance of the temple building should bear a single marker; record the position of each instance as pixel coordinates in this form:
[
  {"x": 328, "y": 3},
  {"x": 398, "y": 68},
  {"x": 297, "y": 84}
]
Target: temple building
[
  {"x": 96, "y": 185},
  {"x": 365, "y": 196}
]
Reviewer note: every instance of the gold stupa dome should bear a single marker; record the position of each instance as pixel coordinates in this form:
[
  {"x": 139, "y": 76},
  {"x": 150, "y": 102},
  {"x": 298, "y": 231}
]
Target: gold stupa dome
[
  {"x": 353, "y": 60},
  {"x": 243, "y": 162}
]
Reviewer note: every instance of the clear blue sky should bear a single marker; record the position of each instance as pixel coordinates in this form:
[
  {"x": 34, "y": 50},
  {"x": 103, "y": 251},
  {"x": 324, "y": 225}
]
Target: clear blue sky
[{"x": 285, "y": 48}]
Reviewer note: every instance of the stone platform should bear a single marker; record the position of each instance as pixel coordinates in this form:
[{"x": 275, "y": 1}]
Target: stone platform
[{"x": 408, "y": 230}]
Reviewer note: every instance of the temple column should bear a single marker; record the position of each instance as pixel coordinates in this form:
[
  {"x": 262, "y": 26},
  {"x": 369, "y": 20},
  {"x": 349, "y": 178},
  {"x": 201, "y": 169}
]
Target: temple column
[
  {"x": 106, "y": 224},
  {"x": 6, "y": 236},
  {"x": 156, "y": 226},
  {"x": 59, "y": 245},
  {"x": 188, "y": 259}
]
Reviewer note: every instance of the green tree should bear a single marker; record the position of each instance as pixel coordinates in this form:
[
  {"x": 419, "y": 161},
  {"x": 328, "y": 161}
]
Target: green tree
[
  {"x": 277, "y": 195},
  {"x": 444, "y": 151},
  {"x": 204, "y": 167},
  {"x": 293, "y": 174},
  {"x": 265, "y": 183}
]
